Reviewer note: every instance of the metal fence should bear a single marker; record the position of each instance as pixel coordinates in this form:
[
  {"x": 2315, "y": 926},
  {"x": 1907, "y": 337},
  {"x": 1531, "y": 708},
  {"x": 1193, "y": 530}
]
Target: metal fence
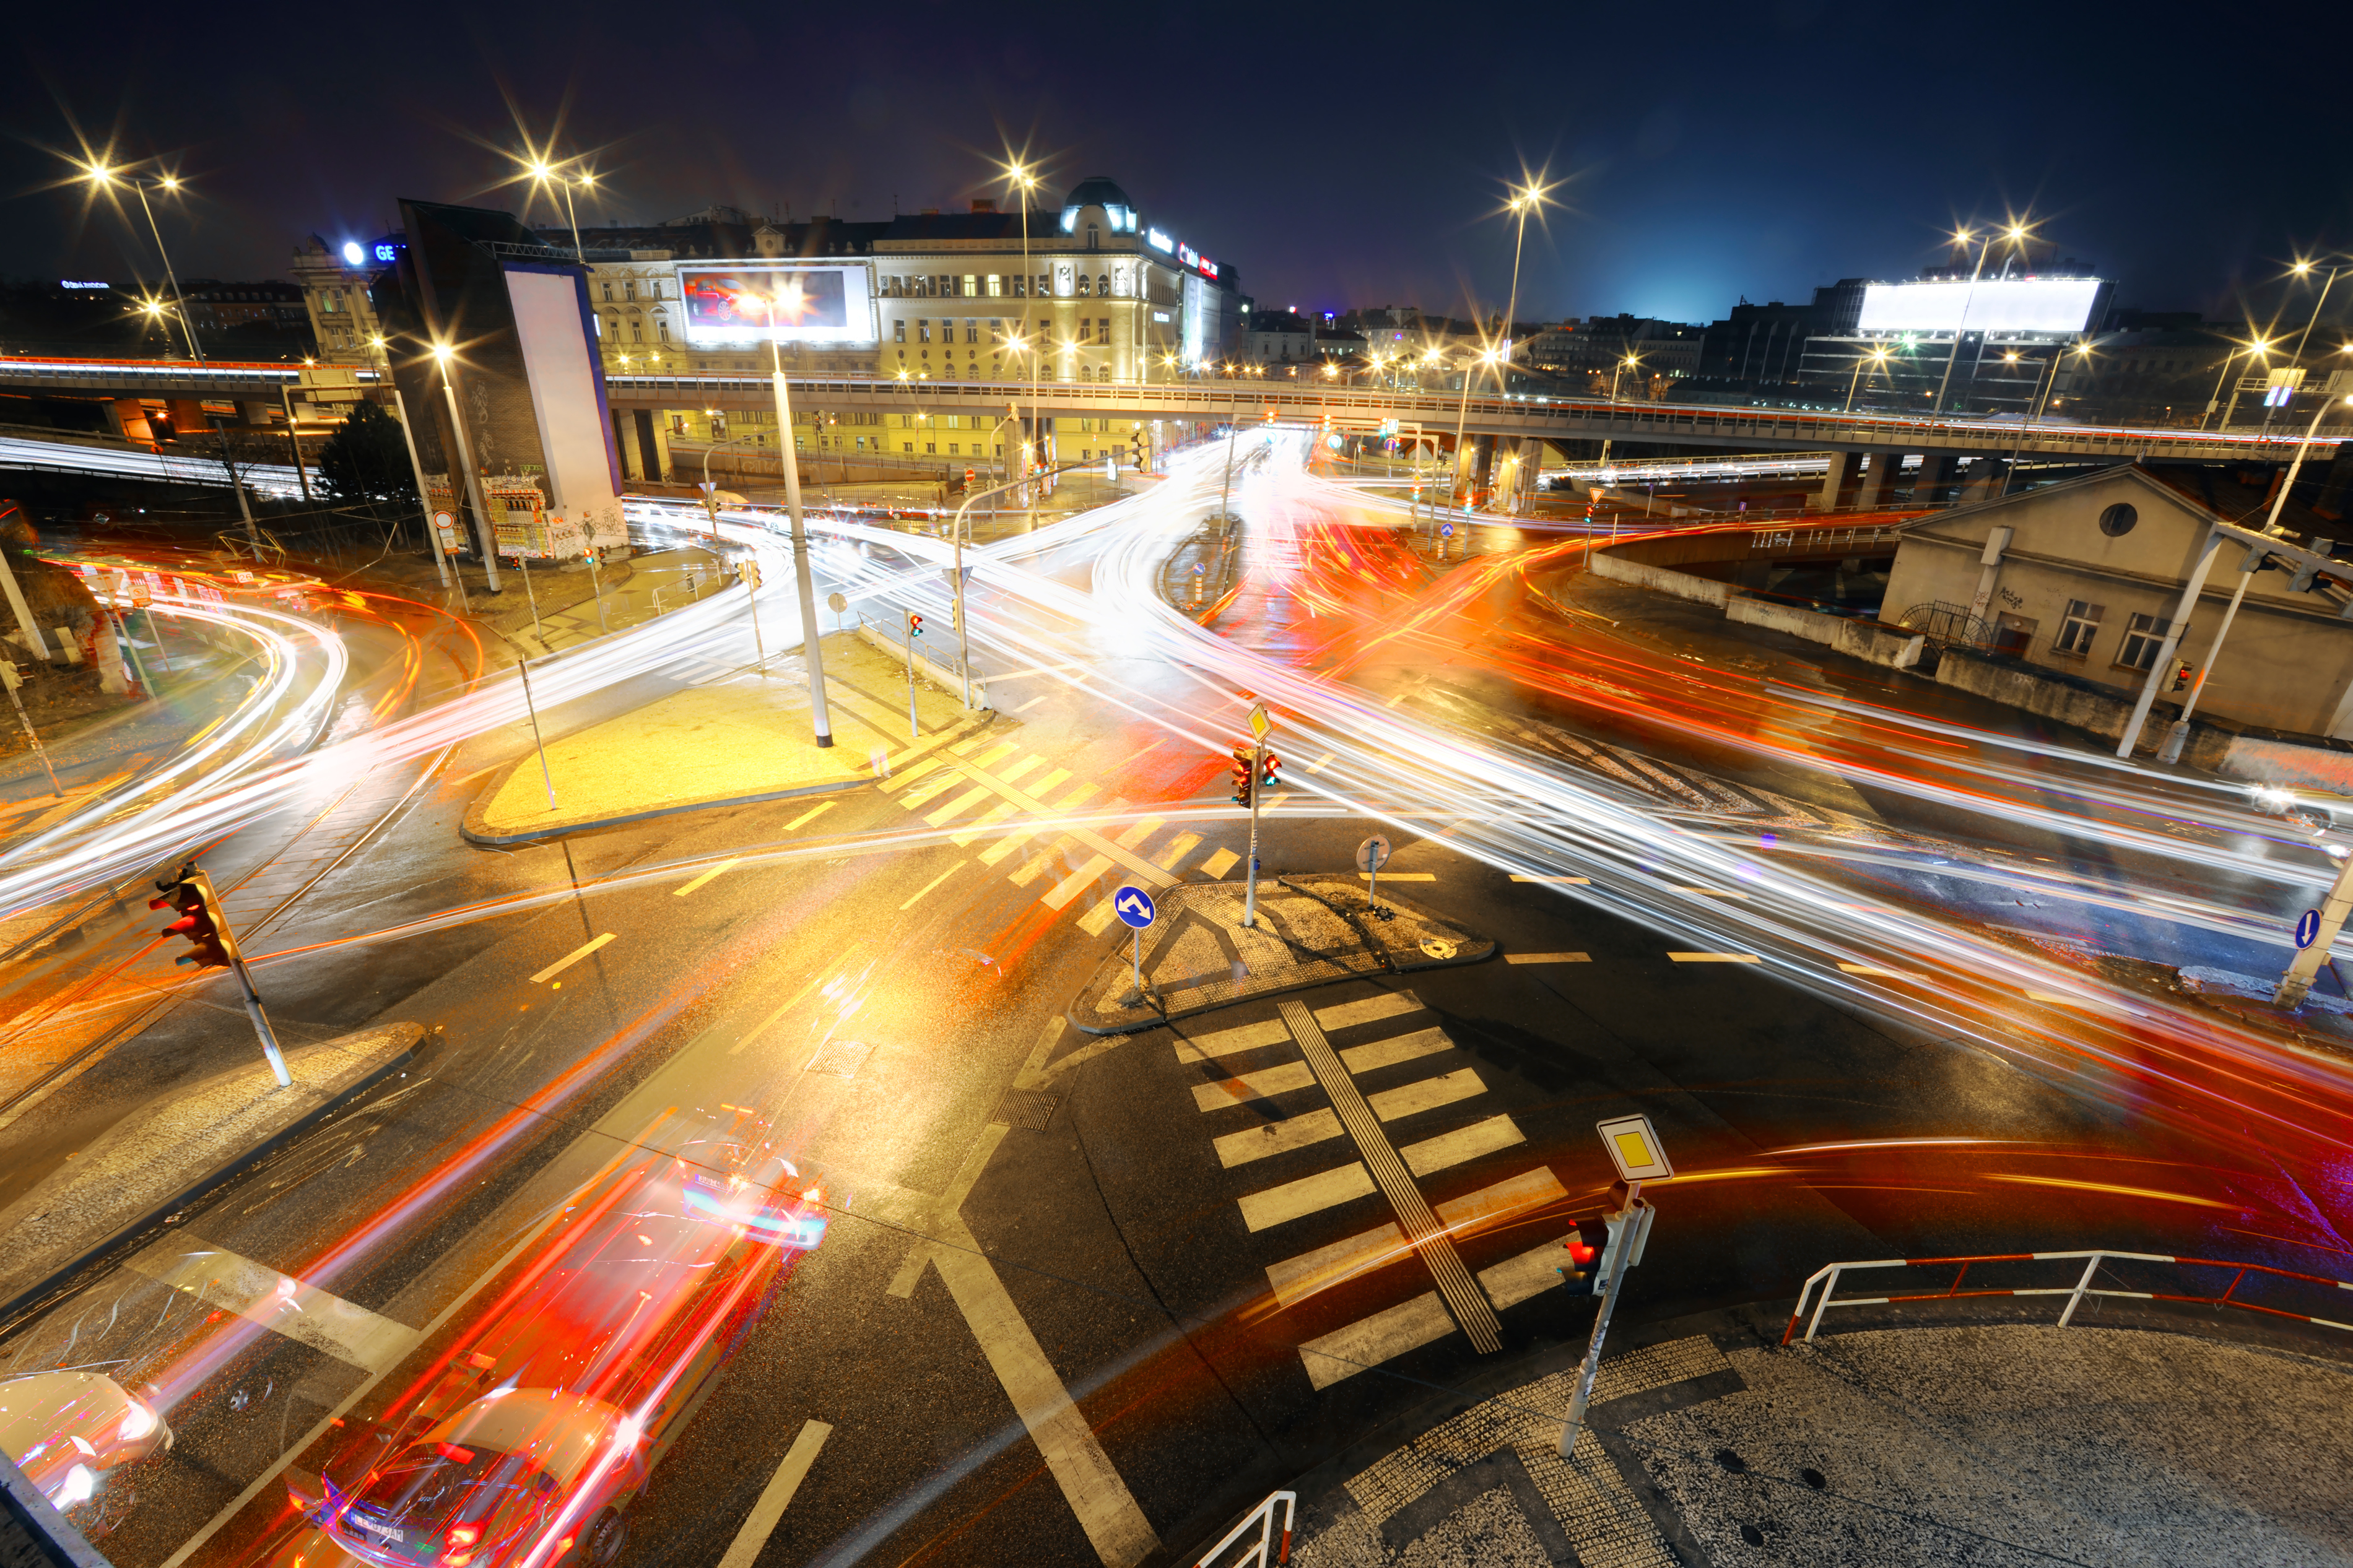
[
  {"x": 2086, "y": 1286},
  {"x": 1256, "y": 1554}
]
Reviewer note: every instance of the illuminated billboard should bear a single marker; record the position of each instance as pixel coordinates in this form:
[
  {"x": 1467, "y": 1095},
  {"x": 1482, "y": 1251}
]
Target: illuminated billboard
[
  {"x": 1992, "y": 305},
  {"x": 786, "y": 303}
]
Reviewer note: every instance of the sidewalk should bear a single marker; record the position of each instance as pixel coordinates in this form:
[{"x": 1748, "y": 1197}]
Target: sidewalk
[
  {"x": 1989, "y": 1443},
  {"x": 743, "y": 739}
]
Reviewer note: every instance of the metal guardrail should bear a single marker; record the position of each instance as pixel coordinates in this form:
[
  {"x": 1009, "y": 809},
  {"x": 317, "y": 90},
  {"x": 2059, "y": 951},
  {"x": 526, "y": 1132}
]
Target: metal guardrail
[
  {"x": 1827, "y": 1278},
  {"x": 1256, "y": 1554}
]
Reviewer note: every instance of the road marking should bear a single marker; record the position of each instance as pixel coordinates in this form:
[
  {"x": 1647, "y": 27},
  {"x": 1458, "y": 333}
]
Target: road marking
[
  {"x": 260, "y": 1294},
  {"x": 984, "y": 822},
  {"x": 1030, "y": 801},
  {"x": 1546, "y": 958},
  {"x": 1183, "y": 843},
  {"x": 1227, "y": 1042},
  {"x": 1384, "y": 1336},
  {"x": 777, "y": 1496},
  {"x": 1400, "y": 875},
  {"x": 1096, "y": 920},
  {"x": 1276, "y": 1138},
  {"x": 1389, "y": 1166},
  {"x": 1261, "y": 1085},
  {"x": 917, "y": 897},
  {"x": 569, "y": 959},
  {"x": 937, "y": 784},
  {"x": 2064, "y": 999},
  {"x": 900, "y": 780},
  {"x": 1070, "y": 887},
  {"x": 1032, "y": 702},
  {"x": 1425, "y": 1094},
  {"x": 1714, "y": 958},
  {"x": 1462, "y": 1145},
  {"x": 1572, "y": 881},
  {"x": 991, "y": 757},
  {"x": 1216, "y": 866},
  {"x": 957, "y": 806},
  {"x": 1013, "y": 773},
  {"x": 1297, "y": 1278},
  {"x": 903, "y": 1284},
  {"x": 1105, "y": 1507},
  {"x": 1140, "y": 832},
  {"x": 1035, "y": 865},
  {"x": 1475, "y": 1212},
  {"x": 722, "y": 865},
  {"x": 1308, "y": 1194},
  {"x": 1874, "y": 970},
  {"x": 811, "y": 814},
  {"x": 1521, "y": 1278},
  {"x": 1399, "y": 1048},
  {"x": 1713, "y": 892},
  {"x": 1388, "y": 1004},
  {"x": 1317, "y": 765}
]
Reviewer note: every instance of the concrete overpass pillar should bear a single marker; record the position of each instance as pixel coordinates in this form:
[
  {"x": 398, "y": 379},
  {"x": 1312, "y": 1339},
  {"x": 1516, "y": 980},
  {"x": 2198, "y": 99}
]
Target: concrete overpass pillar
[
  {"x": 1834, "y": 481},
  {"x": 1936, "y": 472},
  {"x": 1985, "y": 476},
  {"x": 626, "y": 446},
  {"x": 1878, "y": 492},
  {"x": 128, "y": 418}
]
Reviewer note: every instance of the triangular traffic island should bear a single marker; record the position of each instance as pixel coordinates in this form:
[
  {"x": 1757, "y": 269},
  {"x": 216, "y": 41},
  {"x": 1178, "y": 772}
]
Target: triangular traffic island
[{"x": 1311, "y": 930}]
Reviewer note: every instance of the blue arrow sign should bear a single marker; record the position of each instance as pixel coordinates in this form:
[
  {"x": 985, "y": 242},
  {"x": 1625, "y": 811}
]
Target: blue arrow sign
[
  {"x": 1133, "y": 905},
  {"x": 1446, "y": 530},
  {"x": 2307, "y": 928}
]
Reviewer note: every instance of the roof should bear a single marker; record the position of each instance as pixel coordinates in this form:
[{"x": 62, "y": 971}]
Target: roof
[
  {"x": 1097, "y": 191},
  {"x": 2214, "y": 494}
]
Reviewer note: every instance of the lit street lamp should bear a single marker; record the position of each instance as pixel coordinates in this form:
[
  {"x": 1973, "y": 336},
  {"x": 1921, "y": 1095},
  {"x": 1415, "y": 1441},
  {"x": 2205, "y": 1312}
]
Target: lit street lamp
[
  {"x": 1526, "y": 199},
  {"x": 2015, "y": 234},
  {"x": 545, "y": 173},
  {"x": 2259, "y": 349},
  {"x": 1877, "y": 359},
  {"x": 787, "y": 300}
]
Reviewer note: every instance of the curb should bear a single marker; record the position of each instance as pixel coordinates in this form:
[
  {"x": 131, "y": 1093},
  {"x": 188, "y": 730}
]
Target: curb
[
  {"x": 473, "y": 833},
  {"x": 128, "y": 1235}
]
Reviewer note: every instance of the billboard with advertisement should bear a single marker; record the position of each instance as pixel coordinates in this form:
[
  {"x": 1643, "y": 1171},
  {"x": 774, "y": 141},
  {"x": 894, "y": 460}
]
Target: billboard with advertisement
[
  {"x": 790, "y": 302},
  {"x": 1989, "y": 305}
]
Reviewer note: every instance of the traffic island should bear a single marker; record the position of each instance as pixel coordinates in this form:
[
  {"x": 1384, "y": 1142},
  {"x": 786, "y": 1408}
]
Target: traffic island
[
  {"x": 1311, "y": 930},
  {"x": 142, "y": 1172}
]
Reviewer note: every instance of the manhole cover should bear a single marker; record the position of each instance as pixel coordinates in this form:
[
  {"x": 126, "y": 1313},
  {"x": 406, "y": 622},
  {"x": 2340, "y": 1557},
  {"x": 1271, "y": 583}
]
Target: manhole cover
[{"x": 1437, "y": 946}]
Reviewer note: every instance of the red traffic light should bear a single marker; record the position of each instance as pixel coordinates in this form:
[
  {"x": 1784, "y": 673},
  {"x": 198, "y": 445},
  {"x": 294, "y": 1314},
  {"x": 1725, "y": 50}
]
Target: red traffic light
[
  {"x": 1272, "y": 762},
  {"x": 1242, "y": 774},
  {"x": 1586, "y": 1249},
  {"x": 914, "y": 624},
  {"x": 210, "y": 945}
]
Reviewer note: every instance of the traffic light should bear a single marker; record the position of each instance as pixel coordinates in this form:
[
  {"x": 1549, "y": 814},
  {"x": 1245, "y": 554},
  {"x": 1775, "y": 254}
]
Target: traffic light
[
  {"x": 190, "y": 892},
  {"x": 2181, "y": 675},
  {"x": 1589, "y": 1251},
  {"x": 1273, "y": 763},
  {"x": 1242, "y": 771},
  {"x": 914, "y": 624},
  {"x": 748, "y": 569}
]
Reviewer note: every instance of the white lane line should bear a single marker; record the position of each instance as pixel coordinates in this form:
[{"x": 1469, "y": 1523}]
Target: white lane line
[
  {"x": 1572, "y": 881},
  {"x": 1425, "y": 1094},
  {"x": 1874, "y": 969},
  {"x": 260, "y": 1294},
  {"x": 1384, "y": 1336},
  {"x": 1295, "y": 1278},
  {"x": 1105, "y": 1507},
  {"x": 1033, "y": 702},
  {"x": 1217, "y": 864},
  {"x": 1714, "y": 958},
  {"x": 716, "y": 871},
  {"x": 1546, "y": 958},
  {"x": 1309, "y": 1194},
  {"x": 1715, "y": 892},
  {"x": 1400, "y": 875},
  {"x": 1388, "y": 1004},
  {"x": 1403, "y": 1048},
  {"x": 1462, "y": 1145},
  {"x": 935, "y": 882},
  {"x": 761, "y": 1522},
  {"x": 811, "y": 814},
  {"x": 1227, "y": 1042},
  {"x": 951, "y": 1202},
  {"x": 569, "y": 959},
  {"x": 1276, "y": 1138},
  {"x": 1261, "y": 1085}
]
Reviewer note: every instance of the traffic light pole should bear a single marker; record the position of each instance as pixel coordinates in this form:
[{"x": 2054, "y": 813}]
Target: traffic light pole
[
  {"x": 1622, "y": 1251},
  {"x": 260, "y": 1022},
  {"x": 913, "y": 734},
  {"x": 1250, "y": 872}
]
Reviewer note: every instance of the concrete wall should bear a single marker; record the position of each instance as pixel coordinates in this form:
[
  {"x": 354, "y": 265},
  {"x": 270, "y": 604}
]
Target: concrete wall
[
  {"x": 1857, "y": 639},
  {"x": 1657, "y": 579}
]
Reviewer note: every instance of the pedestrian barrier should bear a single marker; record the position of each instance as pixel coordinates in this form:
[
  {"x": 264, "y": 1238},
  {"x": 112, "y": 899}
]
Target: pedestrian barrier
[
  {"x": 1254, "y": 1554},
  {"x": 1827, "y": 1278}
]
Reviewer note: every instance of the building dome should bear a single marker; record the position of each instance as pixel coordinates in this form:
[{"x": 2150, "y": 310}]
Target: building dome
[{"x": 1098, "y": 191}]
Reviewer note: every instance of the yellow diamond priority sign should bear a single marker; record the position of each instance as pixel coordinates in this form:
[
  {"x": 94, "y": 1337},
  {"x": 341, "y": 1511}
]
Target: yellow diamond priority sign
[{"x": 1634, "y": 1144}]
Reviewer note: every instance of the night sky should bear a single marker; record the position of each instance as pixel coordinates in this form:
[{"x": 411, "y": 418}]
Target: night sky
[{"x": 1337, "y": 156}]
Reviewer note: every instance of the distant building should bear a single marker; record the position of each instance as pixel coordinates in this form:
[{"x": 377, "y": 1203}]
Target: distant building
[
  {"x": 332, "y": 281},
  {"x": 1278, "y": 337},
  {"x": 266, "y": 308}
]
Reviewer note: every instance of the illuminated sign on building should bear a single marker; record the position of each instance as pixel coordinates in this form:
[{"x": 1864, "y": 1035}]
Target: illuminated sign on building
[
  {"x": 1189, "y": 256},
  {"x": 788, "y": 303},
  {"x": 1989, "y": 305},
  {"x": 1160, "y": 241},
  {"x": 387, "y": 251},
  {"x": 70, "y": 283}
]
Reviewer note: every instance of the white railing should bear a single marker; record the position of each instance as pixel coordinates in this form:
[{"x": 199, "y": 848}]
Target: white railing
[
  {"x": 1828, "y": 1275},
  {"x": 1256, "y": 1554}
]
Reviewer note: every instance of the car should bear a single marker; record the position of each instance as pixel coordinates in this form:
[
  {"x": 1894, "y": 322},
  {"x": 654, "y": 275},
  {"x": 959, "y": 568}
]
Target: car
[
  {"x": 525, "y": 1443},
  {"x": 67, "y": 1429}
]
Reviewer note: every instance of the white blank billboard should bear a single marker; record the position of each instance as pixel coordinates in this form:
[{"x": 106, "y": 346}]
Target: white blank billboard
[
  {"x": 566, "y": 400},
  {"x": 1993, "y": 305}
]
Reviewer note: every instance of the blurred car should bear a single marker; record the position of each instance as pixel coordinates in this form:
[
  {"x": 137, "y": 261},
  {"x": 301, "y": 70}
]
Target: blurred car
[
  {"x": 527, "y": 1441},
  {"x": 67, "y": 1429}
]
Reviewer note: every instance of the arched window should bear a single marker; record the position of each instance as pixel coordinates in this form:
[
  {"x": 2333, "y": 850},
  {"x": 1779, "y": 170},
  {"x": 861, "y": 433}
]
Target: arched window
[
  {"x": 1083, "y": 285},
  {"x": 1103, "y": 284}
]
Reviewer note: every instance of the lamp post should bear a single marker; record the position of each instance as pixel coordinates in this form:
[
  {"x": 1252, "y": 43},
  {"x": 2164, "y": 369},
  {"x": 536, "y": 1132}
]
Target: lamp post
[
  {"x": 1877, "y": 359},
  {"x": 1523, "y": 202},
  {"x": 2301, "y": 269},
  {"x": 416, "y": 467},
  {"x": 2034, "y": 407},
  {"x": 1621, "y": 368},
  {"x": 1021, "y": 180},
  {"x": 2178, "y": 736},
  {"x": 787, "y": 300},
  {"x": 2259, "y": 349},
  {"x": 1461, "y": 416},
  {"x": 2015, "y": 234},
  {"x": 545, "y": 173}
]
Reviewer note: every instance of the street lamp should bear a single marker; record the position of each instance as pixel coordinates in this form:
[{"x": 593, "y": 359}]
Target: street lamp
[
  {"x": 1524, "y": 200},
  {"x": 545, "y": 173},
  {"x": 2259, "y": 349},
  {"x": 2303, "y": 268},
  {"x": 1021, "y": 181},
  {"x": 788, "y": 301},
  {"x": 1623, "y": 365},
  {"x": 1877, "y": 359},
  {"x": 2016, "y": 235}
]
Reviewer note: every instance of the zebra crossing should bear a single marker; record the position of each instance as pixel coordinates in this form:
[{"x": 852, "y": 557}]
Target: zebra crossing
[
  {"x": 1681, "y": 788},
  {"x": 1287, "y": 1101}
]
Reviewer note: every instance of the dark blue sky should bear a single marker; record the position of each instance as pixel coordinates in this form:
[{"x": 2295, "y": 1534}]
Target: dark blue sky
[{"x": 1337, "y": 155}]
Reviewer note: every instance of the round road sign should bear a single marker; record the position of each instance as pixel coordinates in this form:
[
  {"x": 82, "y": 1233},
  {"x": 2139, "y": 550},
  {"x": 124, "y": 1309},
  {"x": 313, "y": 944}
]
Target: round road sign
[
  {"x": 1134, "y": 906},
  {"x": 2307, "y": 928},
  {"x": 1373, "y": 854}
]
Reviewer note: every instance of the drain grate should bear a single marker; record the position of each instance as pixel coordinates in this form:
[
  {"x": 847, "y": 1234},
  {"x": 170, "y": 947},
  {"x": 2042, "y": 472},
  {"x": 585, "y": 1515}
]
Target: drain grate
[
  {"x": 840, "y": 1059},
  {"x": 1030, "y": 1108}
]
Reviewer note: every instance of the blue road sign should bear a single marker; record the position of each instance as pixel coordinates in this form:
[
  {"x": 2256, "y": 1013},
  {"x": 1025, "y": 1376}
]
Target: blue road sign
[
  {"x": 1446, "y": 530},
  {"x": 1133, "y": 905},
  {"x": 1197, "y": 569},
  {"x": 2307, "y": 928}
]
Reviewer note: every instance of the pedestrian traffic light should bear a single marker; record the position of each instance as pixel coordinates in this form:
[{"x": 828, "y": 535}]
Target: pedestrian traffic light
[
  {"x": 914, "y": 624},
  {"x": 2181, "y": 675},
  {"x": 1272, "y": 765},
  {"x": 190, "y": 892},
  {"x": 1242, "y": 771},
  {"x": 1588, "y": 1251},
  {"x": 748, "y": 569}
]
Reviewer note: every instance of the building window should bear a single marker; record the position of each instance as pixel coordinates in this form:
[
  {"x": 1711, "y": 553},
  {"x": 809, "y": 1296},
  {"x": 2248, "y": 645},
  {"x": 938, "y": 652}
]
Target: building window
[
  {"x": 630, "y": 289},
  {"x": 899, "y": 332},
  {"x": 1083, "y": 285},
  {"x": 661, "y": 329},
  {"x": 2078, "y": 628},
  {"x": 996, "y": 285},
  {"x": 636, "y": 331},
  {"x": 972, "y": 332},
  {"x": 657, "y": 287},
  {"x": 2143, "y": 636},
  {"x": 2118, "y": 520},
  {"x": 1045, "y": 284},
  {"x": 1103, "y": 284},
  {"x": 1094, "y": 237},
  {"x": 1084, "y": 333},
  {"x": 922, "y": 332},
  {"x": 971, "y": 287},
  {"x": 1103, "y": 328}
]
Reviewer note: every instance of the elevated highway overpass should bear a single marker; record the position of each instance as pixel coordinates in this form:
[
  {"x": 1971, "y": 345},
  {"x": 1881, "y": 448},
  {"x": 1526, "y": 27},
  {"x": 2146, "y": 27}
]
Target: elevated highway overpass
[{"x": 1517, "y": 415}]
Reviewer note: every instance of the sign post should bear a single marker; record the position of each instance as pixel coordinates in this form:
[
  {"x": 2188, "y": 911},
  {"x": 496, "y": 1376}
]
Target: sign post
[
  {"x": 1260, "y": 723},
  {"x": 12, "y": 679},
  {"x": 1134, "y": 907},
  {"x": 2316, "y": 937},
  {"x": 749, "y": 572},
  {"x": 1634, "y": 1148},
  {"x": 1371, "y": 856}
]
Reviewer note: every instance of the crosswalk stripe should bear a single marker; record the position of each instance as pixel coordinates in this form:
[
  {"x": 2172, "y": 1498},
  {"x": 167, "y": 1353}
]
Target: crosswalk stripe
[
  {"x": 1297, "y": 1278},
  {"x": 955, "y": 807},
  {"x": 1036, "y": 865},
  {"x": 1013, "y": 773},
  {"x": 1140, "y": 832},
  {"x": 1348, "y": 1015},
  {"x": 1276, "y": 1138},
  {"x": 1461, "y": 1146},
  {"x": 1400, "y": 875},
  {"x": 1308, "y": 1194},
  {"x": 1070, "y": 887},
  {"x": 1179, "y": 846},
  {"x": 1217, "y": 864},
  {"x": 1264, "y": 1084},
  {"x": 1478, "y": 1211},
  {"x": 1399, "y": 1049},
  {"x": 902, "y": 779},
  {"x": 1426, "y": 1094},
  {"x": 1226, "y": 1042},
  {"x": 937, "y": 784},
  {"x": 1714, "y": 958},
  {"x": 1517, "y": 1280},
  {"x": 984, "y": 822},
  {"x": 1384, "y": 1336},
  {"x": 995, "y": 754},
  {"x": 1545, "y": 958}
]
